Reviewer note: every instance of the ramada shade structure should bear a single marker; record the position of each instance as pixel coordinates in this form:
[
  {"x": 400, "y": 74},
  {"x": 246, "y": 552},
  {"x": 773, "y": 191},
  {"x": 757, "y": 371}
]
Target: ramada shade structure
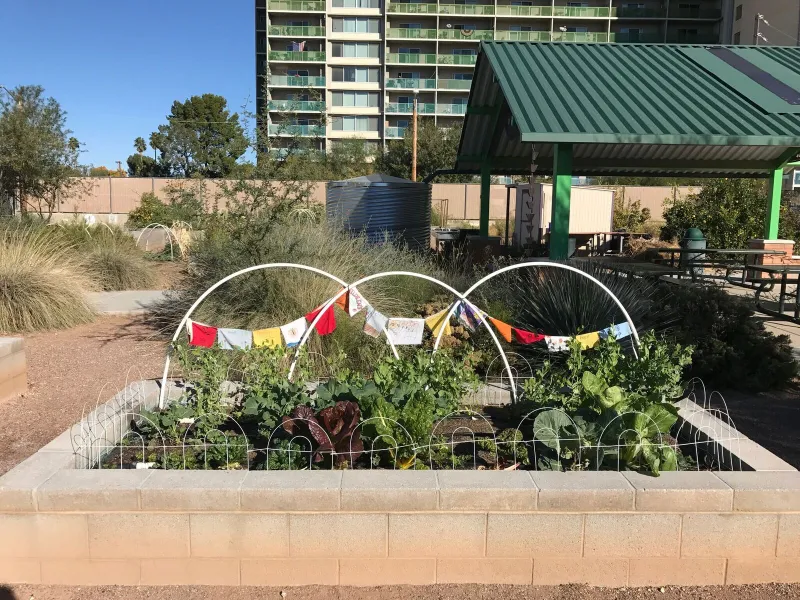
[{"x": 630, "y": 110}]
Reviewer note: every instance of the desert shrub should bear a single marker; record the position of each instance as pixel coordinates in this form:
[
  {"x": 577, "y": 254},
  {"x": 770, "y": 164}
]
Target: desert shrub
[
  {"x": 42, "y": 283},
  {"x": 732, "y": 349},
  {"x": 181, "y": 205}
]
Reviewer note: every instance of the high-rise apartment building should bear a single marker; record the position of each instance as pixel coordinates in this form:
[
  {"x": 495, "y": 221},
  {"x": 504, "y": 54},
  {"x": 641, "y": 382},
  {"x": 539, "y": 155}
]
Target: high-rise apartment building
[
  {"x": 765, "y": 22},
  {"x": 363, "y": 60}
]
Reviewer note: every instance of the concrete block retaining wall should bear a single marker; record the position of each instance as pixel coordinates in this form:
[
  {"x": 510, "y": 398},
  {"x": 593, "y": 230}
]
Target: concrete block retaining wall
[
  {"x": 62, "y": 525},
  {"x": 13, "y": 368}
]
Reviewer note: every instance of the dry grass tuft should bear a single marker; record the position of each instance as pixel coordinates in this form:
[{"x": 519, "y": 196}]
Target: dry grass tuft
[{"x": 42, "y": 285}]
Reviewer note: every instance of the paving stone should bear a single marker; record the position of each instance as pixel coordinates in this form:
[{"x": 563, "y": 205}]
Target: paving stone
[
  {"x": 91, "y": 490},
  {"x": 192, "y": 490},
  {"x": 294, "y": 491},
  {"x": 583, "y": 491},
  {"x": 366, "y": 490},
  {"x": 764, "y": 491},
  {"x": 681, "y": 491}
]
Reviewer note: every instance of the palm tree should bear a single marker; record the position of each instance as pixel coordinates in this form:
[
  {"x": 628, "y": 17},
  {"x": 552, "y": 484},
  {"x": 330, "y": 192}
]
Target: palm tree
[{"x": 140, "y": 145}]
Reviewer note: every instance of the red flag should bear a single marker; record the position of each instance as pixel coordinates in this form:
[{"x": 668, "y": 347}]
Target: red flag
[
  {"x": 327, "y": 323},
  {"x": 202, "y": 335},
  {"x": 527, "y": 337}
]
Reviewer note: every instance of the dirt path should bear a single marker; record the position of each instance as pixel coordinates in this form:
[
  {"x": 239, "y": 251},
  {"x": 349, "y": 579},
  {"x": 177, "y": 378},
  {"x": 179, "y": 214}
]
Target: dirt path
[
  {"x": 69, "y": 369},
  {"x": 432, "y": 592}
]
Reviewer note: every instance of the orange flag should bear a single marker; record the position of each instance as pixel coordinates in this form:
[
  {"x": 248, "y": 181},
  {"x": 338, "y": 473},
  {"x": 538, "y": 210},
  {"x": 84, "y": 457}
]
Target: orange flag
[
  {"x": 504, "y": 329},
  {"x": 341, "y": 302}
]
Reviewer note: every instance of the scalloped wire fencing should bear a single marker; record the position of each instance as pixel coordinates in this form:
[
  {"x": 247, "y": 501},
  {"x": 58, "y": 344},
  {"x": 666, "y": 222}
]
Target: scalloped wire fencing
[{"x": 464, "y": 439}]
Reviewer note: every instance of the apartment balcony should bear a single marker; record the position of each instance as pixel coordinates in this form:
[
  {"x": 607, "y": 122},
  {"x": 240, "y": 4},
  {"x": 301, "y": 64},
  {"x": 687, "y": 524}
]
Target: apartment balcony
[
  {"x": 302, "y": 130},
  {"x": 466, "y": 9},
  {"x": 637, "y": 38},
  {"x": 296, "y": 31},
  {"x": 411, "y": 59},
  {"x": 395, "y": 132},
  {"x": 641, "y": 13},
  {"x": 694, "y": 13},
  {"x": 456, "y": 59},
  {"x": 582, "y": 12},
  {"x": 523, "y": 11},
  {"x": 406, "y": 109},
  {"x": 411, "y": 84},
  {"x": 576, "y": 36},
  {"x": 296, "y": 105},
  {"x": 451, "y": 109},
  {"x": 296, "y": 81},
  {"x": 522, "y": 36},
  {"x": 466, "y": 35},
  {"x": 296, "y": 5},
  {"x": 453, "y": 84},
  {"x": 413, "y": 8},
  {"x": 310, "y": 56},
  {"x": 407, "y": 33}
]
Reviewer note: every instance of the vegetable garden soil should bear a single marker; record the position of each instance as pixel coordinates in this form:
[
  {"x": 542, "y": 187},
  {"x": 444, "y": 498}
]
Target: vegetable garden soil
[{"x": 431, "y": 592}]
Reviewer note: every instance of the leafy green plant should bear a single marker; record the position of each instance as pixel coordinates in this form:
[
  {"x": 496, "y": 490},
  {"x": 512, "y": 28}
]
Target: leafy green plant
[
  {"x": 285, "y": 455},
  {"x": 226, "y": 450},
  {"x": 508, "y": 446}
]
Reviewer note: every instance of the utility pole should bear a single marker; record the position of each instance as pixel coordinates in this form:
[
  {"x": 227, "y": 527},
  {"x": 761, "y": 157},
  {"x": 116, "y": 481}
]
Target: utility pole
[{"x": 414, "y": 138}]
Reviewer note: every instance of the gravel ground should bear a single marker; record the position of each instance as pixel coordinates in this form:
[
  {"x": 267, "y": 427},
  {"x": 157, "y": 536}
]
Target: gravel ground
[
  {"x": 433, "y": 592},
  {"x": 68, "y": 370}
]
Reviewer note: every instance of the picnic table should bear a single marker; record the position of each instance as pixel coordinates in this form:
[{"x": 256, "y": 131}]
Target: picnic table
[
  {"x": 630, "y": 266},
  {"x": 729, "y": 265},
  {"x": 777, "y": 273}
]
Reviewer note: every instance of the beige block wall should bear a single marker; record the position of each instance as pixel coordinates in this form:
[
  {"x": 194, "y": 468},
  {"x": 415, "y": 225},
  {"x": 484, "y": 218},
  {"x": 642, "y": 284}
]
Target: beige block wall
[
  {"x": 13, "y": 368},
  {"x": 77, "y": 527}
]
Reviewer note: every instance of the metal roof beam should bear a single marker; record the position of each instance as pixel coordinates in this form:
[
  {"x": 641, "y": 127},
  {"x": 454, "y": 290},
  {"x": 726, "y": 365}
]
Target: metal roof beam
[{"x": 688, "y": 165}]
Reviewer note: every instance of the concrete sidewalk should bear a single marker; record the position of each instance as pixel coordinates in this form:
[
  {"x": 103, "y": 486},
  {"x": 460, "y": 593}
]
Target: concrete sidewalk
[{"x": 128, "y": 302}]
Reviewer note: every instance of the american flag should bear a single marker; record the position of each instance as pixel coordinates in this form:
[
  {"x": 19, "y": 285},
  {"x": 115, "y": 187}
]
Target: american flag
[{"x": 298, "y": 46}]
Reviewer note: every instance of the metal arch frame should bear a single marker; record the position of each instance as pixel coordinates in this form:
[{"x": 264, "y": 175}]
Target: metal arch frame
[
  {"x": 540, "y": 264},
  {"x": 223, "y": 281},
  {"x": 368, "y": 278},
  {"x": 346, "y": 289},
  {"x": 170, "y": 235}
]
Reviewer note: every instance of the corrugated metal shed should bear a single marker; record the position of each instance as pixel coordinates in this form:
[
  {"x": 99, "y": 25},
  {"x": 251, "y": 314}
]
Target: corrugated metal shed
[{"x": 633, "y": 109}]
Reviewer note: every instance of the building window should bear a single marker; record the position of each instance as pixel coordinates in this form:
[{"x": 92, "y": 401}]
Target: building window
[
  {"x": 520, "y": 28},
  {"x": 410, "y": 25},
  {"x": 578, "y": 29},
  {"x": 408, "y": 75},
  {"x": 355, "y": 74},
  {"x": 462, "y": 76},
  {"x": 355, "y": 99},
  {"x": 298, "y": 23},
  {"x": 409, "y": 50},
  {"x": 465, "y": 51},
  {"x": 355, "y": 25},
  {"x": 689, "y": 10},
  {"x": 739, "y": 12},
  {"x": 737, "y": 38},
  {"x": 355, "y": 50},
  {"x": 297, "y": 72},
  {"x": 633, "y": 34},
  {"x": 357, "y": 3},
  {"x": 346, "y": 123},
  {"x": 403, "y": 123}
]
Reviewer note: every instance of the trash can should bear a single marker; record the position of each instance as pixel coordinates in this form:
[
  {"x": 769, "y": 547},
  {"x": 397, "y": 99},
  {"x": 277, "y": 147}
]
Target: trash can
[{"x": 693, "y": 239}]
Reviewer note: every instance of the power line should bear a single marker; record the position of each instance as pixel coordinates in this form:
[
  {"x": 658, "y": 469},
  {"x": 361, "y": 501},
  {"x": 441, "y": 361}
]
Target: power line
[{"x": 783, "y": 33}]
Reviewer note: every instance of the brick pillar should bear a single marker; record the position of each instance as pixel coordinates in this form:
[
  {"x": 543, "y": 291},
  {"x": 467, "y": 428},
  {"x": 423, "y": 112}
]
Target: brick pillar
[{"x": 785, "y": 246}]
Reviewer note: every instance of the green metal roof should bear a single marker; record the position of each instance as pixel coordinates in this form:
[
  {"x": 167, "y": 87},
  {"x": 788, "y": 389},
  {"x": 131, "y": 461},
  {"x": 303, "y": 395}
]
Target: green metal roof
[{"x": 633, "y": 109}]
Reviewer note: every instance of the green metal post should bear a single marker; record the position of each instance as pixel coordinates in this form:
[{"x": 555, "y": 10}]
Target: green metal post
[
  {"x": 486, "y": 180},
  {"x": 562, "y": 190},
  {"x": 773, "y": 205}
]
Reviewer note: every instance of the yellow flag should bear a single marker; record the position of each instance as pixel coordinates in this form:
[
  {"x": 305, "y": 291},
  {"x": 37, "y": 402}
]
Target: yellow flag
[
  {"x": 267, "y": 337},
  {"x": 437, "y": 321},
  {"x": 588, "y": 340}
]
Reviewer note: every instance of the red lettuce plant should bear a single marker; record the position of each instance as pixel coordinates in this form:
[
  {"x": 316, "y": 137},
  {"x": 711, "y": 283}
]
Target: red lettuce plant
[{"x": 333, "y": 430}]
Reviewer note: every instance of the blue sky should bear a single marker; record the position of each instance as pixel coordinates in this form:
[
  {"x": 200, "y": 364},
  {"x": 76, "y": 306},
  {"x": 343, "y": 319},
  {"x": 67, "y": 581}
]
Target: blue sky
[{"x": 117, "y": 67}]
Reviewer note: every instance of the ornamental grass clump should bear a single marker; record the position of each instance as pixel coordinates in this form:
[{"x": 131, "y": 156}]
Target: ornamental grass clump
[
  {"x": 42, "y": 282},
  {"x": 118, "y": 268}
]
